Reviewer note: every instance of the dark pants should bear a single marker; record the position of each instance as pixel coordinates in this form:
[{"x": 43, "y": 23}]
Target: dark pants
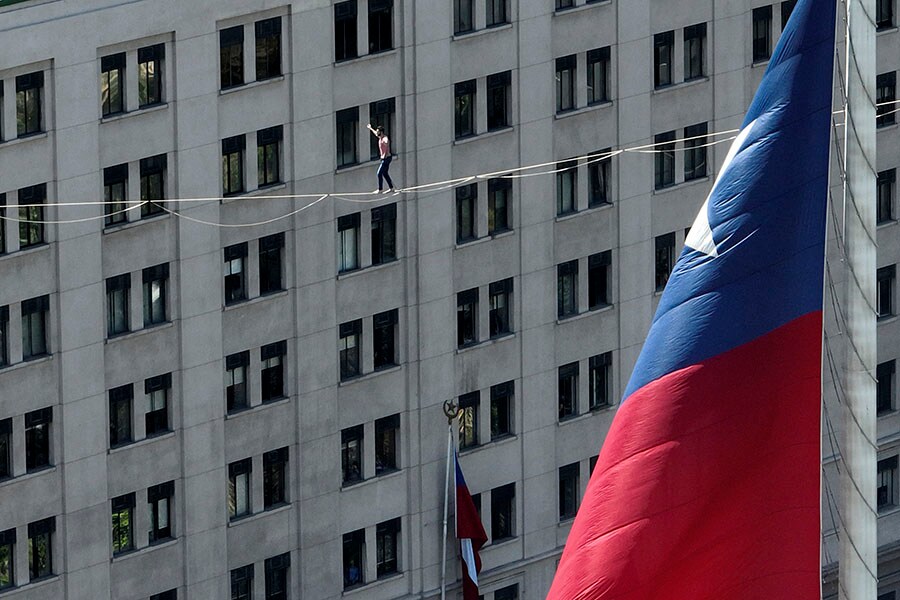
[{"x": 383, "y": 173}]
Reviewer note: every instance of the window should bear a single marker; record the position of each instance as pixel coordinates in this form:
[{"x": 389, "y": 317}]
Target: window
[
  {"x": 123, "y": 524},
  {"x": 566, "y": 187},
  {"x": 7, "y": 559},
  {"x": 387, "y": 537},
  {"x": 384, "y": 234},
  {"x": 37, "y": 439},
  {"x": 2, "y": 205},
  {"x": 155, "y": 283},
  {"x": 156, "y": 419},
  {"x": 153, "y": 185},
  {"x": 884, "y": 14},
  {"x": 463, "y": 16},
  {"x": 565, "y": 83},
  {"x": 598, "y": 75},
  {"x": 599, "y": 279},
  {"x": 599, "y": 182},
  {"x": 497, "y": 13},
  {"x": 499, "y": 93},
  {"x": 501, "y": 410},
  {"x": 887, "y": 596},
  {"x": 502, "y": 513},
  {"x": 31, "y": 215},
  {"x": 563, "y": 4},
  {"x": 663, "y": 50},
  {"x": 885, "y": 291},
  {"x": 345, "y": 31},
  {"x": 233, "y": 165},
  {"x": 270, "y": 276},
  {"x": 239, "y": 488},
  {"x": 120, "y": 400},
  {"x": 468, "y": 420},
  {"x": 115, "y": 186},
  {"x": 381, "y": 28},
  {"x": 349, "y": 345},
  {"x": 500, "y": 298},
  {"x": 235, "y": 275},
  {"x": 787, "y": 8},
  {"x": 665, "y": 259},
  {"x": 40, "y": 550},
  {"x": 384, "y": 335},
  {"x": 466, "y": 210},
  {"x": 268, "y": 156},
  {"x": 348, "y": 242},
  {"x": 29, "y": 89},
  {"x": 885, "y": 373},
  {"x": 275, "y": 477},
  {"x": 464, "y": 108},
  {"x": 567, "y": 289},
  {"x": 568, "y": 491},
  {"x": 695, "y": 151},
  {"x": 167, "y": 595},
  {"x": 885, "y": 96},
  {"x": 4, "y": 336},
  {"x": 6, "y": 465},
  {"x": 381, "y": 114},
  {"x": 150, "y": 83},
  {"x": 117, "y": 304},
  {"x": 347, "y": 121},
  {"x": 600, "y": 380},
  {"x": 885, "y": 184},
  {"x": 386, "y": 430},
  {"x": 268, "y": 48},
  {"x": 112, "y": 80},
  {"x": 351, "y": 455},
  {"x": 34, "y": 327},
  {"x": 242, "y": 583},
  {"x": 567, "y": 390},
  {"x": 277, "y": 576},
  {"x": 236, "y": 381},
  {"x": 694, "y": 51},
  {"x": 231, "y": 56},
  {"x": 510, "y": 592},
  {"x": 762, "y": 33},
  {"x": 887, "y": 483},
  {"x": 467, "y": 317},
  {"x": 499, "y": 191},
  {"x": 272, "y": 375},
  {"x": 664, "y": 160},
  {"x": 354, "y": 557}
]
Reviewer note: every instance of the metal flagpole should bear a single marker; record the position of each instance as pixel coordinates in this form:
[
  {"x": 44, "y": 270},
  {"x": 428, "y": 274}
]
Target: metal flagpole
[
  {"x": 858, "y": 563},
  {"x": 450, "y": 410}
]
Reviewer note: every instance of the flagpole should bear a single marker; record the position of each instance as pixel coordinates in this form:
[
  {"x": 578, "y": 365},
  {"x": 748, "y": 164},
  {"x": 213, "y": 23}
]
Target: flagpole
[{"x": 450, "y": 411}]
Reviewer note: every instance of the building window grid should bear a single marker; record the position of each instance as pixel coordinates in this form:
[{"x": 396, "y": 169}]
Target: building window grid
[
  {"x": 242, "y": 583},
  {"x": 354, "y": 552},
  {"x": 663, "y": 51},
  {"x": 347, "y": 124},
  {"x": 499, "y": 315},
  {"x": 348, "y": 242},
  {"x": 384, "y": 234},
  {"x": 381, "y": 26},
  {"x": 787, "y": 8},
  {"x": 497, "y": 13},
  {"x": 884, "y": 14},
  {"x": 234, "y": 273},
  {"x": 352, "y": 455},
  {"x": 7, "y": 559},
  {"x": 499, "y": 201},
  {"x": 384, "y": 339},
  {"x": 271, "y": 277},
  {"x": 40, "y": 548},
  {"x": 277, "y": 576},
  {"x": 463, "y": 16},
  {"x": 466, "y": 212},
  {"x": 112, "y": 84},
  {"x": 382, "y": 114},
  {"x": 503, "y": 512},
  {"x": 156, "y": 419},
  {"x": 664, "y": 160},
  {"x": 6, "y": 441},
  {"x": 885, "y": 304},
  {"x": 387, "y": 538},
  {"x": 386, "y": 444},
  {"x": 665, "y": 259},
  {"x": 159, "y": 505},
  {"x": 511, "y": 592}
]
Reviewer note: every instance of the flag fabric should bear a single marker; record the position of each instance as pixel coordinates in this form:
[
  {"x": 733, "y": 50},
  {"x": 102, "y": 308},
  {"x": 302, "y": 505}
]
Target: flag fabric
[
  {"x": 470, "y": 533},
  {"x": 708, "y": 482}
]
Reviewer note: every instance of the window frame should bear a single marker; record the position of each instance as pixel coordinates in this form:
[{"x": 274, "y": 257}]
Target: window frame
[
  {"x": 468, "y": 417},
  {"x": 240, "y": 504},
  {"x": 151, "y": 80},
  {"x": 567, "y": 187},
  {"x": 345, "y": 22},
  {"x": 269, "y": 156},
  {"x": 384, "y": 234},
  {"x": 503, "y": 506},
  {"x": 600, "y": 280},
  {"x": 272, "y": 371},
  {"x": 387, "y": 445},
  {"x": 121, "y": 416},
  {"x": 499, "y": 188},
  {"x": 275, "y": 478},
  {"x": 153, "y": 185},
  {"x": 155, "y": 295},
  {"x": 271, "y": 264},
  {"x": 384, "y": 340},
  {"x": 115, "y": 194},
  {"x": 118, "y": 305},
  {"x": 499, "y": 101},
  {"x": 885, "y": 191},
  {"x": 8, "y": 559},
  {"x": 663, "y": 58},
  {"x": 500, "y": 317},
  {"x": 467, "y": 318},
  {"x": 387, "y": 548},
  {"x": 237, "y": 393},
  {"x": 122, "y": 517},
  {"x": 156, "y": 419},
  {"x": 352, "y": 455},
  {"x": 568, "y": 491},
  {"x": 466, "y": 213},
  {"x": 354, "y": 548},
  {"x": 38, "y": 439},
  {"x": 348, "y": 228},
  {"x": 664, "y": 254},
  {"x": 40, "y": 541},
  {"x": 695, "y": 51},
  {"x": 664, "y": 160},
  {"x": 159, "y": 496},
  {"x": 567, "y": 391},
  {"x": 599, "y": 69},
  {"x": 566, "y": 75},
  {"x": 885, "y": 98},
  {"x": 268, "y": 41},
  {"x": 29, "y": 104},
  {"x": 350, "y": 355},
  {"x": 35, "y": 315},
  {"x": 567, "y": 279},
  {"x": 695, "y": 151},
  {"x": 502, "y": 406},
  {"x": 600, "y": 378},
  {"x": 231, "y": 57},
  {"x": 886, "y": 388},
  {"x": 112, "y": 88},
  {"x": 381, "y": 26},
  {"x": 235, "y": 273},
  {"x": 761, "y": 33},
  {"x": 233, "y": 178},
  {"x": 31, "y": 215},
  {"x": 465, "y": 98}
]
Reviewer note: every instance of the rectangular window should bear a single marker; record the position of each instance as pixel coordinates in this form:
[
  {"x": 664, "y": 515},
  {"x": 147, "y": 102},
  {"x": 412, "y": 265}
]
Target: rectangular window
[
  {"x": 762, "y": 33},
  {"x": 884, "y": 14},
  {"x": 467, "y": 318},
  {"x": 234, "y": 273},
  {"x": 156, "y": 419},
  {"x": 468, "y": 420},
  {"x": 567, "y": 289},
  {"x": 268, "y": 156},
  {"x": 568, "y": 491},
  {"x": 40, "y": 548},
  {"x": 381, "y": 114},
  {"x": 567, "y": 390},
  {"x": 2, "y": 201},
  {"x": 665, "y": 259},
  {"x": 346, "y": 121},
  {"x": 117, "y": 304},
  {"x": 351, "y": 454},
  {"x": 598, "y": 75},
  {"x": 566, "y": 187},
  {"x": 787, "y": 7},
  {"x": 565, "y": 83},
  {"x": 275, "y": 477},
  {"x": 6, "y": 465},
  {"x": 156, "y": 282},
  {"x": 349, "y": 343},
  {"x": 123, "y": 524},
  {"x": 501, "y": 410},
  {"x": 115, "y": 186},
  {"x": 510, "y": 592},
  {"x": 886, "y": 94},
  {"x": 563, "y": 4},
  {"x": 599, "y": 280},
  {"x": 29, "y": 89},
  {"x": 242, "y": 583},
  {"x": 272, "y": 375},
  {"x": 150, "y": 75},
  {"x": 348, "y": 242},
  {"x": 37, "y": 439},
  {"x": 34, "y": 327},
  {"x": 153, "y": 185},
  {"x": 4, "y": 336},
  {"x": 384, "y": 234},
  {"x": 503, "y": 512},
  {"x": 31, "y": 215},
  {"x": 270, "y": 271},
  {"x": 885, "y": 373},
  {"x": 277, "y": 576},
  {"x": 464, "y": 108},
  {"x": 7, "y": 559},
  {"x": 499, "y": 100},
  {"x": 887, "y": 483},
  {"x": 695, "y": 151},
  {"x": 236, "y": 385},
  {"x": 167, "y": 595},
  {"x": 120, "y": 404},
  {"x": 885, "y": 191},
  {"x": 500, "y": 299},
  {"x": 466, "y": 211},
  {"x": 354, "y": 551},
  {"x": 497, "y": 13},
  {"x": 599, "y": 179},
  {"x": 663, "y": 50},
  {"x": 233, "y": 165},
  {"x": 231, "y": 56},
  {"x": 499, "y": 195},
  {"x": 664, "y": 160},
  {"x": 885, "y": 292},
  {"x": 345, "y": 31},
  {"x": 600, "y": 380},
  {"x": 112, "y": 84},
  {"x": 463, "y": 16},
  {"x": 381, "y": 26},
  {"x": 239, "y": 496},
  {"x": 384, "y": 339},
  {"x": 386, "y": 431},
  {"x": 268, "y": 48},
  {"x": 387, "y": 545},
  {"x": 159, "y": 506},
  {"x": 694, "y": 51}
]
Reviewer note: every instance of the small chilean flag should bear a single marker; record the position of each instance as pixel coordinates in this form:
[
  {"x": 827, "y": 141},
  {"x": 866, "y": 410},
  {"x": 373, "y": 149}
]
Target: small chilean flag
[
  {"x": 470, "y": 533},
  {"x": 708, "y": 483}
]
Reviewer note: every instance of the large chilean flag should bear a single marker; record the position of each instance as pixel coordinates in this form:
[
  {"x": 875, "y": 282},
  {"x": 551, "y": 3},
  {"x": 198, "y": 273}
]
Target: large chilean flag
[{"x": 707, "y": 486}]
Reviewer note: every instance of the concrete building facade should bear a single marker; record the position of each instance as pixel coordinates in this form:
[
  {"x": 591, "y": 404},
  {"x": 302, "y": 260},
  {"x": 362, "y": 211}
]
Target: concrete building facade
[{"x": 236, "y": 386}]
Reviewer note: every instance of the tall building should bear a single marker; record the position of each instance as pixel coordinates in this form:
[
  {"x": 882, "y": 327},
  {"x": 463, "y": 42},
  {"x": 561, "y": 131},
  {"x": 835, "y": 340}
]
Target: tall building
[{"x": 220, "y": 383}]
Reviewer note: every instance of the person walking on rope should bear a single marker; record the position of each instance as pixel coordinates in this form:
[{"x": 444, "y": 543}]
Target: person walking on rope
[{"x": 384, "y": 150}]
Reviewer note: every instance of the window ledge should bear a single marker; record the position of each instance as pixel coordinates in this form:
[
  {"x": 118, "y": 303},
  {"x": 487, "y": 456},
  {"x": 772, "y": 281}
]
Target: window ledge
[
  {"x": 886, "y": 320},
  {"x": 888, "y": 511},
  {"x": 487, "y": 342},
  {"x": 138, "y": 111},
  {"x": 494, "y": 443},
  {"x": 132, "y": 224},
  {"x": 369, "y": 375},
  {"x": 367, "y": 586},
  {"x": 259, "y": 515},
  {"x": 578, "y": 213},
  {"x": 25, "y": 251},
  {"x": 559, "y": 12},
  {"x": 483, "y": 135},
  {"x": 25, "y": 476},
  {"x": 365, "y": 57},
  {"x": 255, "y": 300},
  {"x": 580, "y": 111},
  {"x": 574, "y": 418},
  {"x": 138, "y": 332},
  {"x": 257, "y": 192},
  {"x": 142, "y": 551},
  {"x": 680, "y": 85},
  {"x": 362, "y": 482},
  {"x": 502, "y": 234},
  {"x": 886, "y": 224},
  {"x": 366, "y": 164},
  {"x": 502, "y": 542},
  {"x": 468, "y": 35},
  {"x": 23, "y": 139},
  {"x": 256, "y": 408},
  {"x": 250, "y": 84},
  {"x": 142, "y": 442},
  {"x": 348, "y": 274},
  {"x": 890, "y": 29},
  {"x": 26, "y": 363},
  {"x": 31, "y": 585},
  {"x": 760, "y": 63},
  {"x": 472, "y": 242},
  {"x": 887, "y": 127},
  {"x": 584, "y": 314},
  {"x": 680, "y": 185}
]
